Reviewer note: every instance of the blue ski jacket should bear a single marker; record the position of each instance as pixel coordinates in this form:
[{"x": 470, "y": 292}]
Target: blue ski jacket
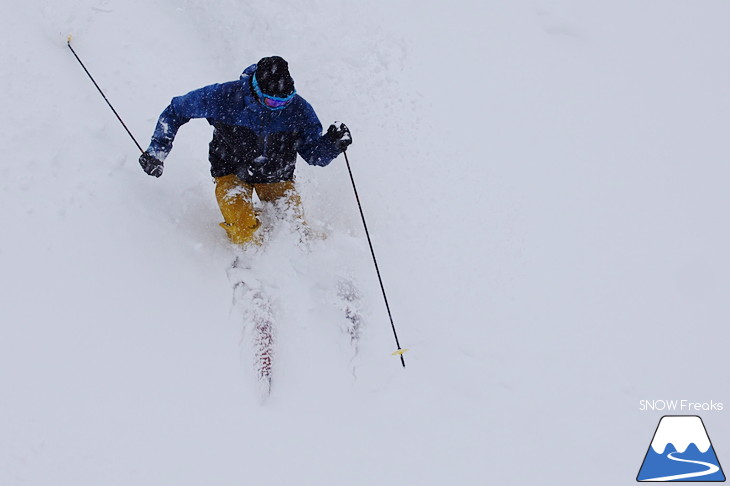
[{"x": 256, "y": 143}]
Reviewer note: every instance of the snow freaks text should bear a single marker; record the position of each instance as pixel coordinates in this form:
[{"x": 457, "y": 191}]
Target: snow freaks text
[{"x": 680, "y": 406}]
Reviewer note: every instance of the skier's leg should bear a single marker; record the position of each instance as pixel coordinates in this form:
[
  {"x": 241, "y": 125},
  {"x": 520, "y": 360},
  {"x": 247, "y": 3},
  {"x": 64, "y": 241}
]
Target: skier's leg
[
  {"x": 284, "y": 193},
  {"x": 235, "y": 201}
]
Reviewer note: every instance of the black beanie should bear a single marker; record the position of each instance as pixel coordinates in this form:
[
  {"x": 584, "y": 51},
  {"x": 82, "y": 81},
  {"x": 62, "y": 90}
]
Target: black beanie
[{"x": 272, "y": 76}]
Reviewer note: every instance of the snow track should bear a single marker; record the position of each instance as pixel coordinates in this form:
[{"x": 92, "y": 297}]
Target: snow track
[{"x": 293, "y": 283}]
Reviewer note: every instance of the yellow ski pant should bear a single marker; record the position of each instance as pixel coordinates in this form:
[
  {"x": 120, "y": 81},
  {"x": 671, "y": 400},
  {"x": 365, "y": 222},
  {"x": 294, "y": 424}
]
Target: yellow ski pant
[{"x": 235, "y": 199}]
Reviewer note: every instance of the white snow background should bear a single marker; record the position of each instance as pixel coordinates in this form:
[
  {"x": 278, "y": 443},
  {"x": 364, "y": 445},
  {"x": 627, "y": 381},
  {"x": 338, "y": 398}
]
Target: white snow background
[{"x": 546, "y": 187}]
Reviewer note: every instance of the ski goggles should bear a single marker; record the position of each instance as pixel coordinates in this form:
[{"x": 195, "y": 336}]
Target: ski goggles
[{"x": 271, "y": 102}]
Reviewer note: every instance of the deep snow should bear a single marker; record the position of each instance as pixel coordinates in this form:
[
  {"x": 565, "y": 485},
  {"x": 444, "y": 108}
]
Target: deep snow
[{"x": 545, "y": 182}]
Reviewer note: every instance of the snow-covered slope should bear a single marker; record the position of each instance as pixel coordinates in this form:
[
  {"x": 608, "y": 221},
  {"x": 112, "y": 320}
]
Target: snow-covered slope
[{"x": 545, "y": 182}]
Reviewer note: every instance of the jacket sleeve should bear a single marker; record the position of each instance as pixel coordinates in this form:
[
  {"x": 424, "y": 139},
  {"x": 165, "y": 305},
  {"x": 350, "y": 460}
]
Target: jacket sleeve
[
  {"x": 196, "y": 104},
  {"x": 315, "y": 148}
]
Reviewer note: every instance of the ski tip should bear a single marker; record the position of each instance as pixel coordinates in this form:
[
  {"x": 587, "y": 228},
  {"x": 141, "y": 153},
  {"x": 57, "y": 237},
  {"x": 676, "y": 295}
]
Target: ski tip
[
  {"x": 399, "y": 352},
  {"x": 68, "y": 39}
]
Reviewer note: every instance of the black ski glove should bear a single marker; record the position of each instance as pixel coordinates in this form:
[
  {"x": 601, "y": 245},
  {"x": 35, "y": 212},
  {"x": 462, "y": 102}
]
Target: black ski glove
[
  {"x": 340, "y": 134},
  {"x": 151, "y": 164}
]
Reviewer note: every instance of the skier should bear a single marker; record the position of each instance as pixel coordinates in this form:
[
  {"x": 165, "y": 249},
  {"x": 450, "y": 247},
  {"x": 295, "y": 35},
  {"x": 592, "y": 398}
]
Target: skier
[{"x": 260, "y": 123}]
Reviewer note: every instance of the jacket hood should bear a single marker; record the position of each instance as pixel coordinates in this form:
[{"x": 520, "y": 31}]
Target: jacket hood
[
  {"x": 249, "y": 97},
  {"x": 247, "y": 74}
]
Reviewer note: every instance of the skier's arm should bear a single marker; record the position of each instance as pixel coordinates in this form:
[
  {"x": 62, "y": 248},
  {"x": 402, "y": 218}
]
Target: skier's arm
[
  {"x": 315, "y": 148},
  {"x": 196, "y": 104}
]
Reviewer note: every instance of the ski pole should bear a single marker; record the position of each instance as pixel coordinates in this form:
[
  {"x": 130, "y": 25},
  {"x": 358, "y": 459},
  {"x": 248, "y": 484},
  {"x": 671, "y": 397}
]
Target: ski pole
[
  {"x": 103, "y": 95},
  {"x": 400, "y": 351}
]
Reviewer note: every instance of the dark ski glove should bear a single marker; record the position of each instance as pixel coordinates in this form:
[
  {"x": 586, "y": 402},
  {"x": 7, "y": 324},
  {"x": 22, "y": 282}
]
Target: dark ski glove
[
  {"x": 340, "y": 134},
  {"x": 150, "y": 164}
]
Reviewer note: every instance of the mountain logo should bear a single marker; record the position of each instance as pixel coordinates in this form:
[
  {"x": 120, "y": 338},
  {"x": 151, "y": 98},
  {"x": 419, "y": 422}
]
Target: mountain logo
[{"x": 680, "y": 451}]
